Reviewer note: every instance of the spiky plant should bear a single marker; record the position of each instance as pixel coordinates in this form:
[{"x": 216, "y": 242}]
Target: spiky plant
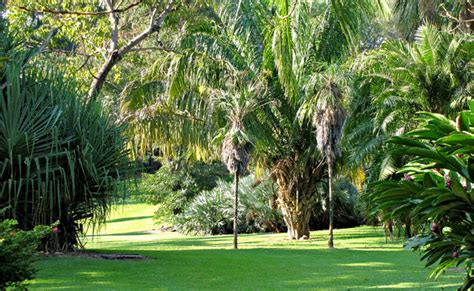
[{"x": 59, "y": 159}]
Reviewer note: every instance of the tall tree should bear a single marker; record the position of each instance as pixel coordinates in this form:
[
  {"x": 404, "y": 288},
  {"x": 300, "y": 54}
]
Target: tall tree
[
  {"x": 328, "y": 120},
  {"x": 282, "y": 43},
  {"x": 97, "y": 35},
  {"x": 236, "y": 145},
  {"x": 325, "y": 107}
]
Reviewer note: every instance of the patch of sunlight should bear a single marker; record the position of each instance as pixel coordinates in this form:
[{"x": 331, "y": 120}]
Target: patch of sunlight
[
  {"x": 367, "y": 264},
  {"x": 92, "y": 274},
  {"x": 409, "y": 285}
]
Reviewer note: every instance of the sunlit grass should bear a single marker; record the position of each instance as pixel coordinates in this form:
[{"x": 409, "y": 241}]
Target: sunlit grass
[{"x": 361, "y": 260}]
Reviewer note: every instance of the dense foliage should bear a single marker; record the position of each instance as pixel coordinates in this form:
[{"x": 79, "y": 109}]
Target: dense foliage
[
  {"x": 211, "y": 212},
  {"x": 60, "y": 158},
  {"x": 18, "y": 251},
  {"x": 308, "y": 91},
  {"x": 173, "y": 186},
  {"x": 436, "y": 190}
]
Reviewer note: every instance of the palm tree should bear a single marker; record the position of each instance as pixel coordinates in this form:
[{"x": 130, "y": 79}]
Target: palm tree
[
  {"x": 328, "y": 120},
  {"x": 237, "y": 101},
  {"x": 410, "y": 15},
  {"x": 278, "y": 43},
  {"x": 325, "y": 107},
  {"x": 399, "y": 79},
  {"x": 394, "y": 82}
]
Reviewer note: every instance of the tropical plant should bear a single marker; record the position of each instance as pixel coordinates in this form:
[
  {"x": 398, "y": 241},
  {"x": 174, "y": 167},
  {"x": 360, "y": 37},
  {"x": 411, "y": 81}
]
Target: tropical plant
[
  {"x": 171, "y": 188},
  {"x": 236, "y": 145},
  {"x": 347, "y": 205},
  {"x": 395, "y": 81},
  {"x": 18, "y": 252},
  {"x": 436, "y": 190},
  {"x": 326, "y": 108},
  {"x": 410, "y": 15},
  {"x": 278, "y": 45},
  {"x": 59, "y": 159},
  {"x": 211, "y": 212}
]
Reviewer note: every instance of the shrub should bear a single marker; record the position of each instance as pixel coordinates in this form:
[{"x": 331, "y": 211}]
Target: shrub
[
  {"x": 436, "y": 190},
  {"x": 173, "y": 186},
  {"x": 211, "y": 212},
  {"x": 60, "y": 158},
  {"x": 347, "y": 207},
  {"x": 18, "y": 252}
]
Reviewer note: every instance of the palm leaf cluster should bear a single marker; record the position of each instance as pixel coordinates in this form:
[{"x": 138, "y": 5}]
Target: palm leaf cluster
[
  {"x": 392, "y": 83},
  {"x": 237, "y": 76},
  {"x": 60, "y": 160}
]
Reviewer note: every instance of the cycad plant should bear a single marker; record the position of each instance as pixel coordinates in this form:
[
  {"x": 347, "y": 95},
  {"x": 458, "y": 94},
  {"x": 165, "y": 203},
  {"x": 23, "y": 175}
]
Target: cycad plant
[
  {"x": 60, "y": 160},
  {"x": 434, "y": 73}
]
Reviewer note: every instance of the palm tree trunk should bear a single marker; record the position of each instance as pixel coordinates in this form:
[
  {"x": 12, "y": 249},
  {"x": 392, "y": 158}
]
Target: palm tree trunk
[
  {"x": 297, "y": 193},
  {"x": 236, "y": 207},
  {"x": 331, "y": 206}
]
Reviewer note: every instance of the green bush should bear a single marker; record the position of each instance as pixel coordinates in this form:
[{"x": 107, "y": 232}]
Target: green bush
[
  {"x": 18, "y": 251},
  {"x": 60, "y": 157},
  {"x": 211, "y": 212},
  {"x": 436, "y": 190},
  {"x": 348, "y": 210},
  {"x": 173, "y": 186}
]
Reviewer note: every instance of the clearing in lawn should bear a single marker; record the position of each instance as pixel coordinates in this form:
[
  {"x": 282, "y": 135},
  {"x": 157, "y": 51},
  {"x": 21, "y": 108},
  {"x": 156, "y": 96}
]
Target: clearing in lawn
[{"x": 361, "y": 260}]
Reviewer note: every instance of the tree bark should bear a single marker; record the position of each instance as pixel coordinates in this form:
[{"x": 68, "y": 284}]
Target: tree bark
[
  {"x": 296, "y": 212},
  {"x": 408, "y": 233},
  {"x": 236, "y": 208},
  {"x": 331, "y": 206},
  {"x": 116, "y": 53},
  {"x": 297, "y": 194}
]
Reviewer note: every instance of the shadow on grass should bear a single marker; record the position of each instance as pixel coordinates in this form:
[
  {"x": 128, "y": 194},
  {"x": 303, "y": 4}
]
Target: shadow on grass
[
  {"x": 123, "y": 219},
  {"x": 257, "y": 268},
  {"x": 122, "y": 234}
]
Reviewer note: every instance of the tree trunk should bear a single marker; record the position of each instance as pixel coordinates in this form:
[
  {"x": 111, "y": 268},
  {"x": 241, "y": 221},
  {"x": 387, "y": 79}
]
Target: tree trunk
[
  {"x": 116, "y": 54},
  {"x": 296, "y": 212},
  {"x": 331, "y": 206},
  {"x": 408, "y": 228},
  {"x": 297, "y": 193},
  {"x": 236, "y": 207},
  {"x": 104, "y": 71}
]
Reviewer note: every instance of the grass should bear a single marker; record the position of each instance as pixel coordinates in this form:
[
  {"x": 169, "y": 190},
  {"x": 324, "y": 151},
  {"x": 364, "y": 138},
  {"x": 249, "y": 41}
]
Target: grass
[{"x": 361, "y": 260}]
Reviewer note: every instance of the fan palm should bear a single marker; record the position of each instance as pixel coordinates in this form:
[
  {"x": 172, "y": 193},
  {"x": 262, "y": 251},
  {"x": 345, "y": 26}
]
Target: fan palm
[
  {"x": 237, "y": 102},
  {"x": 329, "y": 119}
]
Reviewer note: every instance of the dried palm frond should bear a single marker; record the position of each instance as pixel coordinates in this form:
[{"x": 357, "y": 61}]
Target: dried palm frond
[
  {"x": 329, "y": 120},
  {"x": 235, "y": 152}
]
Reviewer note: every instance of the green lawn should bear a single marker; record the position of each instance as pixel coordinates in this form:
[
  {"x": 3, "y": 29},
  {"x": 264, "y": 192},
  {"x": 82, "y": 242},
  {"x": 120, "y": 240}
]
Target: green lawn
[{"x": 361, "y": 260}]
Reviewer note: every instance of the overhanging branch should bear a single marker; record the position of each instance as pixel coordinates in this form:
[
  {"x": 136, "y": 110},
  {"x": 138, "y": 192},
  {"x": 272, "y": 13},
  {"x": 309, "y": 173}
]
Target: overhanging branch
[{"x": 79, "y": 13}]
